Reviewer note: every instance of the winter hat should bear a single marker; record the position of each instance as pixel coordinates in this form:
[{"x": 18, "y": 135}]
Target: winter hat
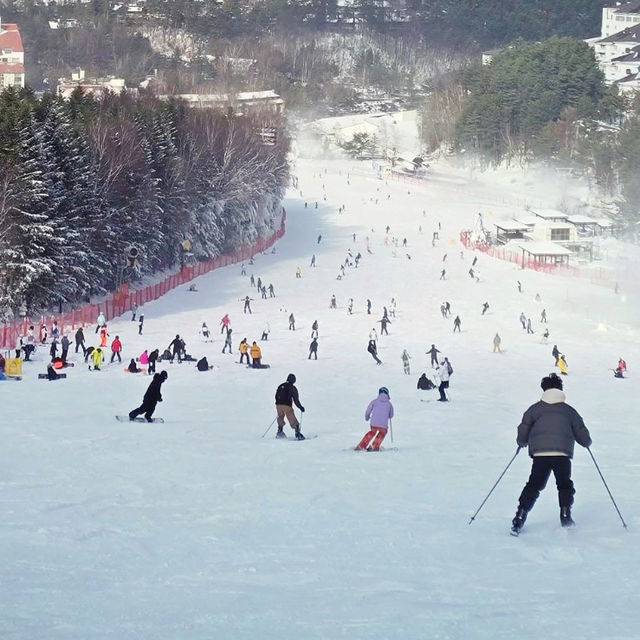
[
  {"x": 552, "y": 381},
  {"x": 383, "y": 390},
  {"x": 291, "y": 378},
  {"x": 164, "y": 375}
]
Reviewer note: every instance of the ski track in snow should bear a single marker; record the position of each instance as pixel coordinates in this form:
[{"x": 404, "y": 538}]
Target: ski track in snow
[{"x": 198, "y": 528}]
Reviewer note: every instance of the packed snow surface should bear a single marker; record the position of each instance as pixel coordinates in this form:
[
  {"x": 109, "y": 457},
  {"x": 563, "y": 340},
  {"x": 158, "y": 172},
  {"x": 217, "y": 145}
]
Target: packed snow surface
[{"x": 199, "y": 528}]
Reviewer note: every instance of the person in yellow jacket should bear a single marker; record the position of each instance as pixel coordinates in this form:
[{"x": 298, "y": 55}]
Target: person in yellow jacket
[
  {"x": 96, "y": 358},
  {"x": 256, "y": 355},
  {"x": 562, "y": 365},
  {"x": 244, "y": 350}
]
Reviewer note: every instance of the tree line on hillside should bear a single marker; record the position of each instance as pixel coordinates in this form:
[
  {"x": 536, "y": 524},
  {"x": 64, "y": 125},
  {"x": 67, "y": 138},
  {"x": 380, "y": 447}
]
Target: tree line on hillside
[
  {"x": 84, "y": 181},
  {"x": 542, "y": 100}
]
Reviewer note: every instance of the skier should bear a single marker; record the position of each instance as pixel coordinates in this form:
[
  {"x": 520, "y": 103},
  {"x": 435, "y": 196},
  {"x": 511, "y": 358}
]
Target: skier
[
  {"x": 256, "y": 355},
  {"x": 116, "y": 348},
  {"x": 153, "y": 357},
  {"x": 519, "y": 286},
  {"x": 140, "y": 319},
  {"x": 176, "y": 346},
  {"x": 443, "y": 273},
  {"x": 313, "y": 348},
  {"x": 471, "y": 274},
  {"x": 485, "y": 306},
  {"x": 43, "y": 333},
  {"x": 292, "y": 322},
  {"x": 555, "y": 353},
  {"x": 227, "y": 341},
  {"x": 247, "y": 304},
  {"x": 55, "y": 332},
  {"x": 350, "y": 306},
  {"x": 332, "y": 303},
  {"x": 496, "y": 343},
  {"x": 313, "y": 260},
  {"x": 442, "y": 375},
  {"x": 103, "y": 335},
  {"x": 545, "y": 336},
  {"x": 286, "y": 397},
  {"x": 204, "y": 330},
  {"x": 456, "y": 324},
  {"x": 252, "y": 280},
  {"x": 264, "y": 292},
  {"x": 314, "y": 329},
  {"x": 243, "y": 348},
  {"x": 372, "y": 349},
  {"x": 320, "y": 236},
  {"x": 272, "y": 293},
  {"x": 405, "y": 361},
  {"x": 368, "y": 306},
  {"x": 447, "y": 307},
  {"x": 259, "y": 285},
  {"x": 225, "y": 323},
  {"x": 383, "y": 325},
  {"x": 550, "y": 428},
  {"x": 392, "y": 307},
  {"x": 543, "y": 316},
  {"x": 265, "y": 331},
  {"x": 529, "y": 329},
  {"x": 373, "y": 335},
  {"x": 379, "y": 412},
  {"x": 475, "y": 260},
  {"x": 298, "y": 272},
  {"x": 432, "y": 352},
  {"x": 523, "y": 320},
  {"x": 151, "y": 397},
  {"x": 64, "y": 344}
]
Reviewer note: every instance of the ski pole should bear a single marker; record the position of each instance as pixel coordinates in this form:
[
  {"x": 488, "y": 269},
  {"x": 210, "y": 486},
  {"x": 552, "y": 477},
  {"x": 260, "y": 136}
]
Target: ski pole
[
  {"x": 391, "y": 429},
  {"x": 624, "y": 524},
  {"x": 473, "y": 517},
  {"x": 269, "y": 427}
]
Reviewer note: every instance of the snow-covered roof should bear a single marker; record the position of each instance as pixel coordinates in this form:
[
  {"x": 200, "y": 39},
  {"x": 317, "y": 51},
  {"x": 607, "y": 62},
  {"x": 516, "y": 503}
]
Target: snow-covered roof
[
  {"x": 512, "y": 225},
  {"x": 580, "y": 219},
  {"x": 545, "y": 249},
  {"x": 550, "y": 214}
]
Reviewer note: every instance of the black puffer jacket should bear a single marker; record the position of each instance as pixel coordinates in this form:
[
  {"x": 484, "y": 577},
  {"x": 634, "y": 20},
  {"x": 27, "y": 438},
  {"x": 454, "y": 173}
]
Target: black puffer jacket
[{"x": 551, "y": 425}]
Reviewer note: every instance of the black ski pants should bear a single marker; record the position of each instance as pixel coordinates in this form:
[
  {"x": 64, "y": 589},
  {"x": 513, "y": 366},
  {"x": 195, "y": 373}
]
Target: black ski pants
[
  {"x": 540, "y": 472},
  {"x": 147, "y": 407}
]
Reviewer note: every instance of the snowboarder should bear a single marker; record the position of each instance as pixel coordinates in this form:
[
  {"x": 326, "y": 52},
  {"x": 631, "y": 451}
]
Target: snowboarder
[
  {"x": 373, "y": 335},
  {"x": 456, "y": 324},
  {"x": 116, "y": 348},
  {"x": 405, "y": 361},
  {"x": 313, "y": 348},
  {"x": 550, "y": 428},
  {"x": 379, "y": 412},
  {"x": 133, "y": 367},
  {"x": 373, "y": 350},
  {"x": 96, "y": 358},
  {"x": 424, "y": 384},
  {"x": 485, "y": 306},
  {"x": 151, "y": 397},
  {"x": 140, "y": 319},
  {"x": 523, "y": 321},
  {"x": 433, "y": 353},
  {"x": 227, "y": 341},
  {"x": 225, "y": 323},
  {"x": 247, "y": 304},
  {"x": 153, "y": 357},
  {"x": 203, "y": 364},
  {"x": 496, "y": 343},
  {"x": 243, "y": 348},
  {"x": 383, "y": 325},
  {"x": 286, "y": 397},
  {"x": 256, "y": 355},
  {"x": 52, "y": 374},
  {"x": 545, "y": 336},
  {"x": 442, "y": 375},
  {"x": 176, "y": 346},
  {"x": 562, "y": 365},
  {"x": 103, "y": 335},
  {"x": 265, "y": 331},
  {"x": 292, "y": 322},
  {"x": 53, "y": 350}
]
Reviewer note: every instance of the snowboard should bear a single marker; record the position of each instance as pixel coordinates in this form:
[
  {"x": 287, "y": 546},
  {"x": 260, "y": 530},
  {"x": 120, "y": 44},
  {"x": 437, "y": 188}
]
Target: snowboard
[
  {"x": 262, "y": 366},
  {"x": 43, "y": 376},
  {"x": 138, "y": 419}
]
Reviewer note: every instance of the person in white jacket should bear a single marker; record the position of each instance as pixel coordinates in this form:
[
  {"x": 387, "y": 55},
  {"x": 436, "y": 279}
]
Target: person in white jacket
[{"x": 442, "y": 377}]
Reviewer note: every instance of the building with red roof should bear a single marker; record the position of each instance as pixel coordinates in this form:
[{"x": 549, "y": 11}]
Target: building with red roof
[{"x": 11, "y": 56}]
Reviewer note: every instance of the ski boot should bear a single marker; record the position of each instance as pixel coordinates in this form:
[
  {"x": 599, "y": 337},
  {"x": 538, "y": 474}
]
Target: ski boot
[
  {"x": 299, "y": 436},
  {"x": 518, "y": 521},
  {"x": 281, "y": 434},
  {"x": 565, "y": 517}
]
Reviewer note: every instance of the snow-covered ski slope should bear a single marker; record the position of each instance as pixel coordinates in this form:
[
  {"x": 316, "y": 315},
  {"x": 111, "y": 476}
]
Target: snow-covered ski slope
[{"x": 199, "y": 529}]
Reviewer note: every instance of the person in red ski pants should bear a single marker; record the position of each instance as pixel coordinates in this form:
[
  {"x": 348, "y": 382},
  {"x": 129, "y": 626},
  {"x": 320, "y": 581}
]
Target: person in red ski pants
[{"x": 379, "y": 412}]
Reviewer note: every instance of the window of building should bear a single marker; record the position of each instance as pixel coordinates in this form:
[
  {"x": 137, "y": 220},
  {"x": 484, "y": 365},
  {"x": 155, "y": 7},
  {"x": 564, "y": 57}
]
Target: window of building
[
  {"x": 559, "y": 235},
  {"x": 17, "y": 79}
]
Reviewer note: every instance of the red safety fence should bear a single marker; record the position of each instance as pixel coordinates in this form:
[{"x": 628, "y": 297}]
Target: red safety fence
[
  {"x": 597, "y": 276},
  {"x": 123, "y": 299}
]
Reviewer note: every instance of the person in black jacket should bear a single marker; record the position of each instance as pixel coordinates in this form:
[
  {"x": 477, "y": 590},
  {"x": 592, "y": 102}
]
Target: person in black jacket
[
  {"x": 151, "y": 398},
  {"x": 286, "y": 396},
  {"x": 550, "y": 428},
  {"x": 177, "y": 345},
  {"x": 373, "y": 350},
  {"x": 153, "y": 356},
  {"x": 80, "y": 340},
  {"x": 313, "y": 349}
]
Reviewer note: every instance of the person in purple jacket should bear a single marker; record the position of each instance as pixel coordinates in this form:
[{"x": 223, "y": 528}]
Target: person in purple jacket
[{"x": 379, "y": 411}]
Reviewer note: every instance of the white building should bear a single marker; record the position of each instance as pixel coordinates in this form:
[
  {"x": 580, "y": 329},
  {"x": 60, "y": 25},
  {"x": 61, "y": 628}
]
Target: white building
[
  {"x": 11, "y": 56},
  {"x": 618, "y": 17},
  {"x": 241, "y": 102},
  {"x": 96, "y": 87}
]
